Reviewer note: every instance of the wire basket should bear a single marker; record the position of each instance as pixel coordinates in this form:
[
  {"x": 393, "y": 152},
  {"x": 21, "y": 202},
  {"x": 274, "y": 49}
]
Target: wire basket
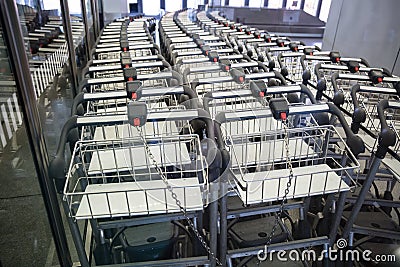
[
  {"x": 261, "y": 171},
  {"x": 116, "y": 178}
]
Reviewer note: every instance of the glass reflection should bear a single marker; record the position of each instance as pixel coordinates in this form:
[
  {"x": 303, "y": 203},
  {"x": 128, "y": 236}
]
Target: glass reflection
[{"x": 26, "y": 238}]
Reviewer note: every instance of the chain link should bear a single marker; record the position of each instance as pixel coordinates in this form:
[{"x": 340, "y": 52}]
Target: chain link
[
  {"x": 175, "y": 197},
  {"x": 288, "y": 185}
]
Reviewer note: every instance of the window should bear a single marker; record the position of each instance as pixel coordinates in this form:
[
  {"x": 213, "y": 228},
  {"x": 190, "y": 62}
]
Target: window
[
  {"x": 326, "y": 5},
  {"x": 170, "y": 5},
  {"x": 238, "y": 3},
  {"x": 293, "y": 4},
  {"x": 75, "y": 7},
  {"x": 275, "y": 4},
  {"x": 310, "y": 6},
  {"x": 194, "y": 3},
  {"x": 51, "y": 4},
  {"x": 151, "y": 7},
  {"x": 256, "y": 3}
]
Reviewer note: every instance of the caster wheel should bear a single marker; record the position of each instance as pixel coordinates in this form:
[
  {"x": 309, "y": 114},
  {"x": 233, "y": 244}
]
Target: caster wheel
[{"x": 301, "y": 230}]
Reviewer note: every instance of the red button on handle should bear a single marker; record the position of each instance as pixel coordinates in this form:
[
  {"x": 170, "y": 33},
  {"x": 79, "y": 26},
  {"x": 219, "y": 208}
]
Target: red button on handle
[{"x": 136, "y": 122}]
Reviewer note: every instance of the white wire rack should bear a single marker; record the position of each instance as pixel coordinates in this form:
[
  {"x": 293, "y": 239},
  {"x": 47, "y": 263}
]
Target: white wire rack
[
  {"x": 344, "y": 84},
  {"x": 116, "y": 178},
  {"x": 261, "y": 172}
]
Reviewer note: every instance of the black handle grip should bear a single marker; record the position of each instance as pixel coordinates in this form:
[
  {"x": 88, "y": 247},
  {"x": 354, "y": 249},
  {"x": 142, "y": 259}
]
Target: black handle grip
[{"x": 387, "y": 137}]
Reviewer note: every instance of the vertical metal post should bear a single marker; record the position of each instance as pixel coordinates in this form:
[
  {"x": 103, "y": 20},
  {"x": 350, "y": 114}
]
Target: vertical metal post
[
  {"x": 162, "y": 4},
  {"x": 265, "y": 3},
  {"x": 362, "y": 195},
  {"x": 246, "y": 2},
  {"x": 95, "y": 15},
  {"x": 20, "y": 67},
  {"x": 87, "y": 33},
  {"x": 70, "y": 45},
  {"x": 101, "y": 13},
  {"x": 284, "y": 3},
  {"x": 302, "y": 3},
  {"x": 223, "y": 222}
]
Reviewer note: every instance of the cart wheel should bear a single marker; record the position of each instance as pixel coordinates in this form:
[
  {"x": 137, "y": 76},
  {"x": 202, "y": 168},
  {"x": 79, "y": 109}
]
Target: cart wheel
[
  {"x": 284, "y": 72},
  {"x": 271, "y": 64},
  {"x": 323, "y": 225},
  {"x": 301, "y": 230},
  {"x": 316, "y": 202},
  {"x": 102, "y": 254},
  {"x": 387, "y": 196}
]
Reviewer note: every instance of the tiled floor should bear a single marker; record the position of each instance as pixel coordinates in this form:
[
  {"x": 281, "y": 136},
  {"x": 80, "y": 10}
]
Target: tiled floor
[{"x": 26, "y": 235}]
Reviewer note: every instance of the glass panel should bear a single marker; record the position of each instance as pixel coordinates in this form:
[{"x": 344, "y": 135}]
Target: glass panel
[
  {"x": 275, "y": 4},
  {"x": 26, "y": 238},
  {"x": 194, "y": 3},
  {"x": 256, "y": 3},
  {"x": 238, "y": 3},
  {"x": 310, "y": 6},
  {"x": 326, "y": 5},
  {"x": 151, "y": 8},
  {"x": 89, "y": 17},
  {"x": 78, "y": 33},
  {"x": 293, "y": 4}
]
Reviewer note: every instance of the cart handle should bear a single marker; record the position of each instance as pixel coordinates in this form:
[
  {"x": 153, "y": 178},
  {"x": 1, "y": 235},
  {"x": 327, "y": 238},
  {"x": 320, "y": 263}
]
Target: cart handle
[
  {"x": 153, "y": 47},
  {"x": 359, "y": 115},
  {"x": 353, "y": 141},
  {"x": 119, "y": 79},
  {"x": 57, "y": 165},
  {"x": 338, "y": 98},
  {"x": 255, "y": 91},
  {"x": 253, "y": 76},
  {"x": 387, "y": 137},
  {"x": 144, "y": 92},
  {"x": 159, "y": 63}
]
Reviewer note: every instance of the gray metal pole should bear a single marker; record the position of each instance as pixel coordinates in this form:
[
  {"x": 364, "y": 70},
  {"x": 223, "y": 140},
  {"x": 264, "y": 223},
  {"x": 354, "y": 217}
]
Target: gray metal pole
[
  {"x": 20, "y": 67},
  {"x": 223, "y": 222},
  {"x": 70, "y": 45},
  {"x": 338, "y": 216},
  {"x": 87, "y": 34},
  {"x": 96, "y": 24}
]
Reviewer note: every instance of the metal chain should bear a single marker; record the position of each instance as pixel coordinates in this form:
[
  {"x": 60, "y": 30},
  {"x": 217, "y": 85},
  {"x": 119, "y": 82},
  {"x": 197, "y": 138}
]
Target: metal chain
[
  {"x": 288, "y": 185},
  {"x": 175, "y": 197}
]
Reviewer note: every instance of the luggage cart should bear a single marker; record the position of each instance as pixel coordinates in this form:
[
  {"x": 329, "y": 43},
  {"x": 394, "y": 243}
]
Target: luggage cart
[
  {"x": 309, "y": 61},
  {"x": 84, "y": 201},
  {"x": 324, "y": 72},
  {"x": 253, "y": 168},
  {"x": 365, "y": 122},
  {"x": 388, "y": 140}
]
